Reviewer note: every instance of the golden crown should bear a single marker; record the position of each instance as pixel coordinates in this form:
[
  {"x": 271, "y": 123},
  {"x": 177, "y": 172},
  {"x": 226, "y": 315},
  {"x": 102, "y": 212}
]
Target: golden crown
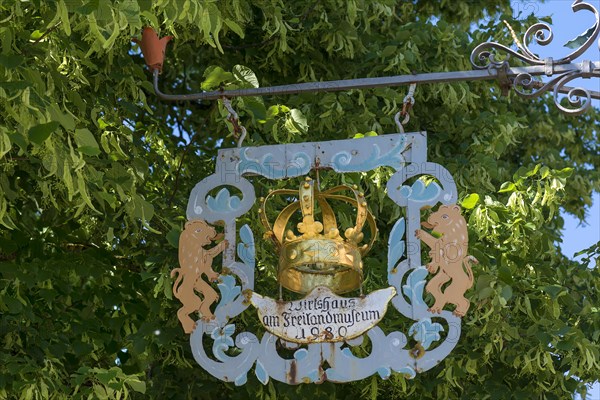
[{"x": 319, "y": 255}]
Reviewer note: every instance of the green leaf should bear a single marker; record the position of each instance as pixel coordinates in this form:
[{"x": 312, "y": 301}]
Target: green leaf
[
  {"x": 214, "y": 77},
  {"x": 113, "y": 36},
  {"x": 507, "y": 187},
  {"x": 82, "y": 186},
  {"x": 505, "y": 275},
  {"x": 506, "y": 292},
  {"x": 245, "y": 75},
  {"x": 110, "y": 199},
  {"x": 581, "y": 39},
  {"x": 566, "y": 345},
  {"x": 65, "y": 119},
  {"x": 15, "y": 85},
  {"x": 100, "y": 392},
  {"x": 470, "y": 201},
  {"x": 206, "y": 26},
  {"x": 564, "y": 173},
  {"x": 11, "y": 61},
  {"x": 106, "y": 376},
  {"x": 64, "y": 17},
  {"x": 14, "y": 306},
  {"x": 524, "y": 172},
  {"x": 485, "y": 293},
  {"x": 5, "y": 143},
  {"x": 543, "y": 337},
  {"x": 296, "y": 122},
  {"x": 88, "y": 7},
  {"x": 257, "y": 108},
  {"x": 484, "y": 281},
  {"x": 35, "y": 35},
  {"x": 553, "y": 290},
  {"x": 142, "y": 209},
  {"x": 499, "y": 147},
  {"x": 234, "y": 27},
  {"x": 272, "y": 112},
  {"x": 151, "y": 18},
  {"x": 39, "y": 133},
  {"x": 389, "y": 50},
  {"x": 131, "y": 10},
  {"x": 68, "y": 179},
  {"x": 137, "y": 386},
  {"x": 173, "y": 237},
  {"x": 86, "y": 143}
]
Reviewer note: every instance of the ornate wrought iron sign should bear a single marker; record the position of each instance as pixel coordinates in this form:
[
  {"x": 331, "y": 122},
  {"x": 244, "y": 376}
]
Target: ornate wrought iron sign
[
  {"x": 322, "y": 264},
  {"x": 321, "y": 261}
]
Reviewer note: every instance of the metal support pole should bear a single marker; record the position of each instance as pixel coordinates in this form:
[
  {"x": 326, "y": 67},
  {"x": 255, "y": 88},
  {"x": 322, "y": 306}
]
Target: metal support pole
[{"x": 388, "y": 81}]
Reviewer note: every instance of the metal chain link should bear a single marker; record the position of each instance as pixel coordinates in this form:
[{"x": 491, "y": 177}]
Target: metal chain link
[{"x": 407, "y": 104}]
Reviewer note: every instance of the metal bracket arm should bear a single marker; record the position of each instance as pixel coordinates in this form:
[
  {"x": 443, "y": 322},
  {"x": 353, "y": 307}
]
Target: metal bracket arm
[
  {"x": 390, "y": 81},
  {"x": 484, "y": 59}
]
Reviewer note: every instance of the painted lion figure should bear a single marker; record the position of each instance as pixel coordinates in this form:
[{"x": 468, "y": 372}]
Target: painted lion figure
[
  {"x": 449, "y": 256},
  {"x": 194, "y": 261}
]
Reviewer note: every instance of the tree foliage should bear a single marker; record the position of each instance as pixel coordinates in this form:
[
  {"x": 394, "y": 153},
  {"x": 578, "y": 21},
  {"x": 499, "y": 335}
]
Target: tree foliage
[{"x": 95, "y": 172}]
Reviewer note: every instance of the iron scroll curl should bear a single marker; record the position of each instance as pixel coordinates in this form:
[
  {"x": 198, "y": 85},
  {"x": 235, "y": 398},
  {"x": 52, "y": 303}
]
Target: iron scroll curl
[{"x": 486, "y": 56}]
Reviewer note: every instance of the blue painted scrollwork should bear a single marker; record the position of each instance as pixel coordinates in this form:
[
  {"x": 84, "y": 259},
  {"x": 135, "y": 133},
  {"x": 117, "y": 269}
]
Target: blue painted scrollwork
[{"x": 346, "y": 161}]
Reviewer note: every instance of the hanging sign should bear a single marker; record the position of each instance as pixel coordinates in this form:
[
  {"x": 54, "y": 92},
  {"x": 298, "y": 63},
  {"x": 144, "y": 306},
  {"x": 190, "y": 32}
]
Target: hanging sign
[{"x": 321, "y": 312}]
